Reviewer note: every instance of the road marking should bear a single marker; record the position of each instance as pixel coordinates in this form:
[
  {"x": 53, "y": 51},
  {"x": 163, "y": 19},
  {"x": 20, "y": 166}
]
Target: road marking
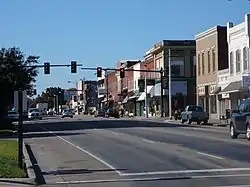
[
  {"x": 209, "y": 155},
  {"x": 157, "y": 178},
  {"x": 85, "y": 151},
  {"x": 115, "y": 133},
  {"x": 235, "y": 186},
  {"x": 148, "y": 141},
  {"x": 185, "y": 171}
]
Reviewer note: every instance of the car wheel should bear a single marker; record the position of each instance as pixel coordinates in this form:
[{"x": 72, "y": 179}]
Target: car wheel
[
  {"x": 233, "y": 133},
  {"x": 248, "y": 132},
  {"x": 189, "y": 121}
]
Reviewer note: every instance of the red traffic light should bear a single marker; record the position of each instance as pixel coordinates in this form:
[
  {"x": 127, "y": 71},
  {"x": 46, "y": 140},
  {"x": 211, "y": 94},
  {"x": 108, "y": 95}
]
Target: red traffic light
[{"x": 99, "y": 69}]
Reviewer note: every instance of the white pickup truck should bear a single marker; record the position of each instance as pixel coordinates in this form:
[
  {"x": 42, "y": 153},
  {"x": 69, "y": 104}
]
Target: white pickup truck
[{"x": 193, "y": 113}]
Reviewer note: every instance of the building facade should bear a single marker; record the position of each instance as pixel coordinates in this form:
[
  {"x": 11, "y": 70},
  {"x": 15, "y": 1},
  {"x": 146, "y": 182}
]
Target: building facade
[
  {"x": 181, "y": 54},
  {"x": 212, "y": 55},
  {"x": 236, "y": 86}
]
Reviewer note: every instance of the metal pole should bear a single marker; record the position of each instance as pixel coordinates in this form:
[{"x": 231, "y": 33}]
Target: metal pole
[
  {"x": 169, "y": 85},
  {"x": 20, "y": 129},
  {"x": 162, "y": 104},
  {"x": 57, "y": 104},
  {"x": 107, "y": 82},
  {"x": 146, "y": 102}
]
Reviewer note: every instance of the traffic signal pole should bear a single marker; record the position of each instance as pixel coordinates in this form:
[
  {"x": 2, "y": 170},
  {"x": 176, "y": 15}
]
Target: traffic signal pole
[
  {"x": 162, "y": 105},
  {"x": 169, "y": 85},
  {"x": 107, "y": 83}
]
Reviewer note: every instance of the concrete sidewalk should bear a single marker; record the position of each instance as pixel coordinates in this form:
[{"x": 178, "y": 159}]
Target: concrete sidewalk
[{"x": 211, "y": 122}]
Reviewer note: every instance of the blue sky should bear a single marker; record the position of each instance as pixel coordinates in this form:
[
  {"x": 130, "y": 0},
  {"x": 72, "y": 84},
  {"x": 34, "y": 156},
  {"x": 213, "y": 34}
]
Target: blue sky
[{"x": 100, "y": 32}]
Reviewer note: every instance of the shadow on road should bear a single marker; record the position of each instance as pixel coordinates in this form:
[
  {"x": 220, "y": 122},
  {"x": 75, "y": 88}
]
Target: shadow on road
[
  {"x": 79, "y": 171},
  {"x": 47, "y": 134},
  {"x": 94, "y": 124}
]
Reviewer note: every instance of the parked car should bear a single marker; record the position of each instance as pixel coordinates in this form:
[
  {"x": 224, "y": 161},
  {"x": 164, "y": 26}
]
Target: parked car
[
  {"x": 67, "y": 113},
  {"x": 100, "y": 113},
  {"x": 112, "y": 113},
  {"x": 240, "y": 120},
  {"x": 13, "y": 115},
  {"x": 34, "y": 113},
  {"x": 193, "y": 113}
]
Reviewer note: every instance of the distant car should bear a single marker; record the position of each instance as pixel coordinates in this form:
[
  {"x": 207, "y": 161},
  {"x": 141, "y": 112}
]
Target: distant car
[
  {"x": 100, "y": 113},
  {"x": 193, "y": 113},
  {"x": 34, "y": 113},
  {"x": 50, "y": 112},
  {"x": 112, "y": 113},
  {"x": 13, "y": 115},
  {"x": 67, "y": 113}
]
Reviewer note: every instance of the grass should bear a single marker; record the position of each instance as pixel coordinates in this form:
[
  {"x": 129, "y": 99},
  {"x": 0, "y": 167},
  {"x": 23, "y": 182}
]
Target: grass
[{"x": 9, "y": 160}]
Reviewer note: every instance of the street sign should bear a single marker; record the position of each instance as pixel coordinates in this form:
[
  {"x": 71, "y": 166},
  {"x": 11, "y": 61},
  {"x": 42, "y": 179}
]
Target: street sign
[
  {"x": 165, "y": 82},
  {"x": 16, "y": 102}
]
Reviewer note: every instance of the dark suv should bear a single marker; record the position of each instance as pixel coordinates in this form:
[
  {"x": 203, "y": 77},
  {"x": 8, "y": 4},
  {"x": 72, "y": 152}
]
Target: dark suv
[{"x": 240, "y": 120}]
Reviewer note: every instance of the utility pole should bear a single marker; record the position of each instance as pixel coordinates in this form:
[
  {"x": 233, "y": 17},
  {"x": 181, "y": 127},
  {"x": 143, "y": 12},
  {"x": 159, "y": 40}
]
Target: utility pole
[
  {"x": 169, "y": 85},
  {"x": 20, "y": 129},
  {"x": 162, "y": 106},
  {"x": 146, "y": 90},
  {"x": 107, "y": 82}
]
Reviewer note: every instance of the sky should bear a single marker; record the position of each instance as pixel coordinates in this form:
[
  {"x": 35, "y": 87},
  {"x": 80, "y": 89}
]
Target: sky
[{"x": 101, "y": 32}]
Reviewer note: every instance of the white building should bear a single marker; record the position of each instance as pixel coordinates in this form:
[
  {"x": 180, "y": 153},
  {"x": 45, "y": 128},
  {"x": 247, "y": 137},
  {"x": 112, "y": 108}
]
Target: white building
[{"x": 233, "y": 81}]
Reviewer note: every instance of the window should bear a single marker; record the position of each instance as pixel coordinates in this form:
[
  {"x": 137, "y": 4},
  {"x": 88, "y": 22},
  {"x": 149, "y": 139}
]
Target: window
[
  {"x": 242, "y": 107},
  {"x": 208, "y": 62},
  {"x": 245, "y": 58},
  {"x": 202, "y": 64},
  {"x": 238, "y": 60},
  {"x": 213, "y": 104},
  {"x": 135, "y": 84},
  {"x": 231, "y": 59},
  {"x": 177, "y": 66},
  {"x": 213, "y": 60},
  {"x": 199, "y": 64},
  {"x": 194, "y": 66}
]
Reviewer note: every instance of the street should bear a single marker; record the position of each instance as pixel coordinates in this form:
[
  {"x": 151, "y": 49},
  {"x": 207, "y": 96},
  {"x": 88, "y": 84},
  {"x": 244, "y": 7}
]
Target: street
[{"x": 86, "y": 151}]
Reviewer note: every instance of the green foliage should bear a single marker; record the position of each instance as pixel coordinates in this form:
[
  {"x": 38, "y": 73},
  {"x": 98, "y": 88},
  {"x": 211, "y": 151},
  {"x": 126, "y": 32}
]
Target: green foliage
[
  {"x": 49, "y": 95},
  {"x": 15, "y": 74},
  {"x": 9, "y": 160}
]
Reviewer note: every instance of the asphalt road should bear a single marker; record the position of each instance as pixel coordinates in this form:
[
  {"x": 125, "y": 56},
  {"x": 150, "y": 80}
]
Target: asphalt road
[{"x": 110, "y": 152}]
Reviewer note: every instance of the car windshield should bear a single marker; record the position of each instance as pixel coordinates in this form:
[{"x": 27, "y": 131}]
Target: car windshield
[
  {"x": 12, "y": 112},
  {"x": 195, "y": 108},
  {"x": 33, "y": 110}
]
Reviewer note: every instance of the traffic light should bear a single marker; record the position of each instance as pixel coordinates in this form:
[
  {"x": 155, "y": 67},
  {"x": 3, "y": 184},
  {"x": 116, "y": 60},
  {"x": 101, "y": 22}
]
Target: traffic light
[
  {"x": 99, "y": 72},
  {"x": 34, "y": 92},
  {"x": 46, "y": 68},
  {"x": 122, "y": 73},
  {"x": 73, "y": 67}
]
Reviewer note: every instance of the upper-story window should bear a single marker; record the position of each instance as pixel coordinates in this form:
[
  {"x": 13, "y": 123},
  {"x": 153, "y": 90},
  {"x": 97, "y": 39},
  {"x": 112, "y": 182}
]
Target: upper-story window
[
  {"x": 238, "y": 59},
  {"x": 213, "y": 60},
  {"x": 208, "y": 62},
  {"x": 199, "y": 64},
  {"x": 177, "y": 66},
  {"x": 231, "y": 61},
  {"x": 202, "y": 64},
  {"x": 245, "y": 58}
]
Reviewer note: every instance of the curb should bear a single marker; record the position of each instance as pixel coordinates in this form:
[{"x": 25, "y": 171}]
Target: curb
[{"x": 29, "y": 165}]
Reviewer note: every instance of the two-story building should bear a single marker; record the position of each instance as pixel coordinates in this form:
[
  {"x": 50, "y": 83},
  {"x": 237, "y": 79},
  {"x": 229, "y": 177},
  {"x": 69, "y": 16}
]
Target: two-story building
[
  {"x": 236, "y": 79},
  {"x": 181, "y": 54},
  {"x": 212, "y": 55}
]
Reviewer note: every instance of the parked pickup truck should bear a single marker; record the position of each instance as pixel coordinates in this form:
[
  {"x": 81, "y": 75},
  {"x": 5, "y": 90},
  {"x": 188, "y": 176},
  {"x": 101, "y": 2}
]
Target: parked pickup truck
[{"x": 193, "y": 113}]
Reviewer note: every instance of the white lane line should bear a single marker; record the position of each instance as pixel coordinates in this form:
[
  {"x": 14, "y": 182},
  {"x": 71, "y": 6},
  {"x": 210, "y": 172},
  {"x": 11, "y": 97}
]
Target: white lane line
[
  {"x": 115, "y": 133},
  {"x": 85, "y": 151},
  {"x": 148, "y": 141},
  {"x": 185, "y": 171},
  {"x": 157, "y": 178},
  {"x": 246, "y": 185},
  {"x": 209, "y": 155}
]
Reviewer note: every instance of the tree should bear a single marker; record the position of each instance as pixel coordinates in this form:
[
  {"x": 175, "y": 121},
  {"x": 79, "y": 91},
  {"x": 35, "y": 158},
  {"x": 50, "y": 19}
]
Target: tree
[
  {"x": 49, "y": 96},
  {"x": 15, "y": 75}
]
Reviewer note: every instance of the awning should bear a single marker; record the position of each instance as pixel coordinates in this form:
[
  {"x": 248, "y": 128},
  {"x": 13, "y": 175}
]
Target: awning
[
  {"x": 216, "y": 90},
  {"x": 135, "y": 96},
  {"x": 142, "y": 97},
  {"x": 233, "y": 87},
  {"x": 125, "y": 100}
]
